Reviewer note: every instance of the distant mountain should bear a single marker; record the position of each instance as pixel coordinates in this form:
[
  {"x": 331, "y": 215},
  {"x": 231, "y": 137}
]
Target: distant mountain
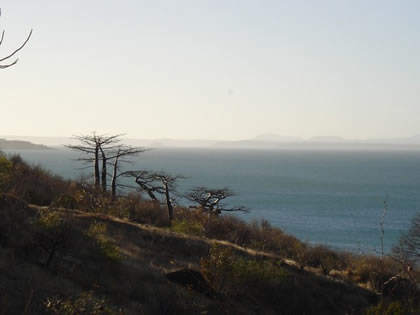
[
  {"x": 329, "y": 139},
  {"x": 261, "y": 142},
  {"x": 20, "y": 145},
  {"x": 271, "y": 137}
]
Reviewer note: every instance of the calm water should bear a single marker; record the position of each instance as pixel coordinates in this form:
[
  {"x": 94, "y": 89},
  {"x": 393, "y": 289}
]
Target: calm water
[{"x": 335, "y": 198}]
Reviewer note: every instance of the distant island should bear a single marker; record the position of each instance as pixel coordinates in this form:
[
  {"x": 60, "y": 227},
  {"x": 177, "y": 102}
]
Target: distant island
[
  {"x": 20, "y": 145},
  {"x": 269, "y": 141}
]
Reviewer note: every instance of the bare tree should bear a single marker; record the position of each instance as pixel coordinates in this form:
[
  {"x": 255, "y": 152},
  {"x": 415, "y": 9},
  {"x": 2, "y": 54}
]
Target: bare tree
[
  {"x": 158, "y": 183},
  {"x": 211, "y": 200},
  {"x": 119, "y": 156},
  {"x": 7, "y": 61},
  {"x": 408, "y": 248},
  {"x": 96, "y": 147}
]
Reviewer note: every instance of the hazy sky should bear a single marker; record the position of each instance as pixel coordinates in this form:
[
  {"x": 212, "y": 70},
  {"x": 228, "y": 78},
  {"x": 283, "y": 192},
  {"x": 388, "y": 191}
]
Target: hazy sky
[{"x": 218, "y": 69}]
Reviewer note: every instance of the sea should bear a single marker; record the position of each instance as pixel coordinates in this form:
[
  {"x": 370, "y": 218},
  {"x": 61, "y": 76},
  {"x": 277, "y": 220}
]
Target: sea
[{"x": 335, "y": 198}]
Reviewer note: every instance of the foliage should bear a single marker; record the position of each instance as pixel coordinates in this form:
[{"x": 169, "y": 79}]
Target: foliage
[
  {"x": 185, "y": 227},
  {"x": 16, "y": 230},
  {"x": 97, "y": 231},
  {"x": 407, "y": 250},
  {"x": 54, "y": 233},
  {"x": 373, "y": 270},
  {"x": 322, "y": 257},
  {"x": 217, "y": 268},
  {"x": 5, "y": 170},
  {"x": 86, "y": 303},
  {"x": 232, "y": 275},
  {"x": 30, "y": 183}
]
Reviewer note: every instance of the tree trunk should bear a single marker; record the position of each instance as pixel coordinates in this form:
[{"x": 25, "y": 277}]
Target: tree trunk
[
  {"x": 97, "y": 178},
  {"x": 114, "y": 179},
  {"x": 169, "y": 204},
  {"x": 103, "y": 170}
]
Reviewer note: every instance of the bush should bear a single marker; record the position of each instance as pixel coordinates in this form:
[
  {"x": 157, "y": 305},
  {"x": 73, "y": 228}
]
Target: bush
[
  {"x": 16, "y": 230},
  {"x": 97, "y": 231},
  {"x": 229, "y": 274},
  {"x": 30, "y": 183},
  {"x": 149, "y": 212},
  {"x": 185, "y": 227},
  {"x": 54, "y": 234},
  {"x": 373, "y": 270},
  {"x": 271, "y": 239},
  {"x": 5, "y": 172},
  {"x": 324, "y": 258},
  {"x": 217, "y": 269}
]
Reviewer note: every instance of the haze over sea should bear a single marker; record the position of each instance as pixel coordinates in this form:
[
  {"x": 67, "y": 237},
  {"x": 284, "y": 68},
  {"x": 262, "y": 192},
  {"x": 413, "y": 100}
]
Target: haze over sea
[{"x": 334, "y": 198}]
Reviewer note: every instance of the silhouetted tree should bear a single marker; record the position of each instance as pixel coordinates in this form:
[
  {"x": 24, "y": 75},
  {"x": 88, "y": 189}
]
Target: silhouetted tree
[
  {"x": 118, "y": 156},
  {"x": 211, "y": 200},
  {"x": 408, "y": 248},
  {"x": 7, "y": 61},
  {"x": 96, "y": 147},
  {"x": 157, "y": 183}
]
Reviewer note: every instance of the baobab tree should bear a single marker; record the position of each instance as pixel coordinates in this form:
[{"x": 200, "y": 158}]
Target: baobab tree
[
  {"x": 96, "y": 146},
  {"x": 158, "y": 183},
  {"x": 211, "y": 200},
  {"x": 118, "y": 156},
  {"x": 8, "y": 60}
]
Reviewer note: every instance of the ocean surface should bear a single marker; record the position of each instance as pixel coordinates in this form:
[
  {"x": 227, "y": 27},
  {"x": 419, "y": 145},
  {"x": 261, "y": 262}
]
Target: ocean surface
[{"x": 333, "y": 198}]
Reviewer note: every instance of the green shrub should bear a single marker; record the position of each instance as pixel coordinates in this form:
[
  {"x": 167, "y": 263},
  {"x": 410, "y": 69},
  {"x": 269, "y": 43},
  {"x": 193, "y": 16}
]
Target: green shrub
[
  {"x": 217, "y": 268},
  {"x": 232, "y": 275},
  {"x": 186, "y": 227},
  {"x": 97, "y": 231}
]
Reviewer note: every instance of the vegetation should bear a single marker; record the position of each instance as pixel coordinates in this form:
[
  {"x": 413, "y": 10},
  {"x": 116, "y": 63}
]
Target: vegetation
[{"x": 68, "y": 247}]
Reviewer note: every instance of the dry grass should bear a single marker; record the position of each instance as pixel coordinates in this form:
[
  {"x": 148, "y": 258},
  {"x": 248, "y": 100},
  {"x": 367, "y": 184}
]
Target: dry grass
[{"x": 115, "y": 253}]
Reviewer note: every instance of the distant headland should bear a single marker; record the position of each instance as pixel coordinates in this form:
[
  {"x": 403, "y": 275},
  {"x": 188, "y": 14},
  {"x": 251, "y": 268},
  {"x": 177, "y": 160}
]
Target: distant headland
[{"x": 20, "y": 145}]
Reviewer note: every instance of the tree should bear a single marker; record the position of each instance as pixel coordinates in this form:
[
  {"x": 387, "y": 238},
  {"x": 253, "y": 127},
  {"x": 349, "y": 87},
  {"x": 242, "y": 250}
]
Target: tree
[
  {"x": 407, "y": 254},
  {"x": 211, "y": 200},
  {"x": 408, "y": 248},
  {"x": 157, "y": 183},
  {"x": 6, "y": 62},
  {"x": 105, "y": 150},
  {"x": 95, "y": 145},
  {"x": 118, "y": 156}
]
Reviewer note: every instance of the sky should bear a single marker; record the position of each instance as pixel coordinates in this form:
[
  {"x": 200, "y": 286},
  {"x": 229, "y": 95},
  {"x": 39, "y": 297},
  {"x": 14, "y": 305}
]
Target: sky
[{"x": 212, "y": 69}]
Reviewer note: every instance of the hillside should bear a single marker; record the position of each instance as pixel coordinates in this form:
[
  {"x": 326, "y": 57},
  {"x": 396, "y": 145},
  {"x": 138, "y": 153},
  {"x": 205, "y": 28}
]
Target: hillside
[
  {"x": 132, "y": 268},
  {"x": 70, "y": 248},
  {"x": 20, "y": 145}
]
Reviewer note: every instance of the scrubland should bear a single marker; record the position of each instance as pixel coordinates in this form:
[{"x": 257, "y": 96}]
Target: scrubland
[{"x": 68, "y": 248}]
